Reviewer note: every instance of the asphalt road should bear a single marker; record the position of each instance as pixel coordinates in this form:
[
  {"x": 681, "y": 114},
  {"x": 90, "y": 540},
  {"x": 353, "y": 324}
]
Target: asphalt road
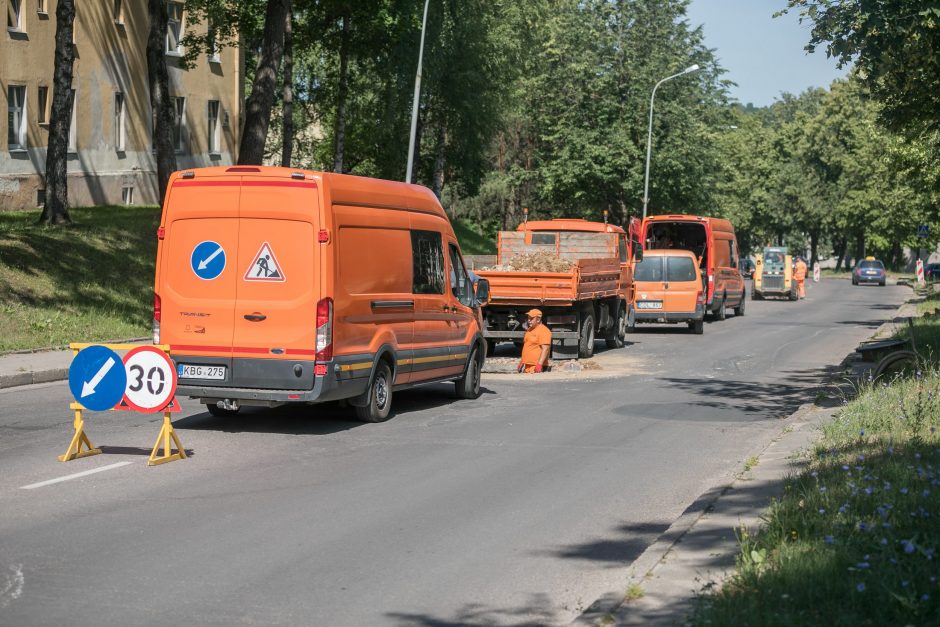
[{"x": 519, "y": 508}]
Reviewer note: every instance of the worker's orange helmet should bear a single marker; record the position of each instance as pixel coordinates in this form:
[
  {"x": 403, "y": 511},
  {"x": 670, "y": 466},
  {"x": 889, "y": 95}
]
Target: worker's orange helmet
[{"x": 534, "y": 313}]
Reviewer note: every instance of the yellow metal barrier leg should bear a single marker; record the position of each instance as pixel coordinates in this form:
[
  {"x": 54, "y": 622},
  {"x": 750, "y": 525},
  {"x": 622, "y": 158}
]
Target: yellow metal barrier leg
[
  {"x": 166, "y": 433},
  {"x": 75, "y": 448}
]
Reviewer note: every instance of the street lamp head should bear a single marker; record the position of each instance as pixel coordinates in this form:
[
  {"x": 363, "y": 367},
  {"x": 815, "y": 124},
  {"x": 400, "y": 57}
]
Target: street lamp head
[{"x": 692, "y": 68}]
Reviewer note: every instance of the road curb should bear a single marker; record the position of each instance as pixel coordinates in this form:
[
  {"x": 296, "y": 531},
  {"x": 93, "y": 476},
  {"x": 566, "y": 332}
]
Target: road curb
[{"x": 33, "y": 377}]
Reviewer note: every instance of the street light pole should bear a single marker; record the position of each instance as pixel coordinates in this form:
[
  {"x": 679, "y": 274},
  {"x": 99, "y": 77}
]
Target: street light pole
[
  {"x": 414, "y": 107},
  {"x": 649, "y": 138}
]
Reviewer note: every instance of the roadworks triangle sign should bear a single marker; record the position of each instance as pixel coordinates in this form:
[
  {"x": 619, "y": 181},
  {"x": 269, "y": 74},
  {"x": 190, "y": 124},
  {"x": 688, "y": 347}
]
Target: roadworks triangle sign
[{"x": 265, "y": 266}]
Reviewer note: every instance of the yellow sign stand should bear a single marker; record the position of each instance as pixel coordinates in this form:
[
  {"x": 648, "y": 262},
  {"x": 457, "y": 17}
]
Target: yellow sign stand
[
  {"x": 167, "y": 432},
  {"x": 75, "y": 448}
]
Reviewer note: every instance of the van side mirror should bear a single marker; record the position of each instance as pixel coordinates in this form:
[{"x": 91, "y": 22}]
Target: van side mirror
[
  {"x": 482, "y": 292},
  {"x": 637, "y": 251}
]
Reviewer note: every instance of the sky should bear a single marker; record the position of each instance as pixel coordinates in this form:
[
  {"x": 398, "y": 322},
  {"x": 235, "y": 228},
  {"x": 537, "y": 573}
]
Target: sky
[{"x": 762, "y": 54}]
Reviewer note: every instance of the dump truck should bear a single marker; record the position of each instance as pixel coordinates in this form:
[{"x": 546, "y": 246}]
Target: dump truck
[
  {"x": 586, "y": 291},
  {"x": 773, "y": 275}
]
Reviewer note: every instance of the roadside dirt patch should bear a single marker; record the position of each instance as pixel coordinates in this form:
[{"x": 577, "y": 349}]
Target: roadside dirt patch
[{"x": 603, "y": 365}]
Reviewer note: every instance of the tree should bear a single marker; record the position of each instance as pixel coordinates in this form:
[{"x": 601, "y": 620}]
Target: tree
[
  {"x": 287, "y": 102},
  {"x": 893, "y": 44},
  {"x": 164, "y": 114},
  {"x": 261, "y": 100},
  {"x": 56, "y": 209}
]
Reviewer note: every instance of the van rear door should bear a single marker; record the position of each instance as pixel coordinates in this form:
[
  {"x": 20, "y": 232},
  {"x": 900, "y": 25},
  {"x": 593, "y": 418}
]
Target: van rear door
[
  {"x": 278, "y": 278},
  {"x": 199, "y": 273},
  {"x": 682, "y": 284},
  {"x": 648, "y": 278}
]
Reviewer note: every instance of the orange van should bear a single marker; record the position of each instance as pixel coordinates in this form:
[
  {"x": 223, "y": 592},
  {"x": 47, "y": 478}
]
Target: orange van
[
  {"x": 278, "y": 286},
  {"x": 714, "y": 244},
  {"x": 669, "y": 289}
]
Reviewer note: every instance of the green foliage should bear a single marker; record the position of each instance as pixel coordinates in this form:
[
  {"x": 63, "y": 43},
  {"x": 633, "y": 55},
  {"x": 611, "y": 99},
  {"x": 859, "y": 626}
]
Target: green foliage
[{"x": 893, "y": 45}]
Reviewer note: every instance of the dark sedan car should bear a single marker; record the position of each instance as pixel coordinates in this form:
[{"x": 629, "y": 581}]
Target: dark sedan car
[
  {"x": 932, "y": 272},
  {"x": 747, "y": 268},
  {"x": 869, "y": 271}
]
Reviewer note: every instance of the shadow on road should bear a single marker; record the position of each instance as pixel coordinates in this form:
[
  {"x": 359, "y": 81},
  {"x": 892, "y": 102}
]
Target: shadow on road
[
  {"x": 318, "y": 419},
  {"x": 536, "y": 613}
]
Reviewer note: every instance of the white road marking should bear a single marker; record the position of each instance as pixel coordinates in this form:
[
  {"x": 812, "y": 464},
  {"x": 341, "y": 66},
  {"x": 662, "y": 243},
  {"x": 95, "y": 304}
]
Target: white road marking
[{"x": 84, "y": 473}]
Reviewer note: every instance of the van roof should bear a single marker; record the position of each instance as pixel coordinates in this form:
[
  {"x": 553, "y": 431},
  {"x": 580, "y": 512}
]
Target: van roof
[
  {"x": 673, "y": 252},
  {"x": 718, "y": 224},
  {"x": 569, "y": 224},
  {"x": 337, "y": 188}
]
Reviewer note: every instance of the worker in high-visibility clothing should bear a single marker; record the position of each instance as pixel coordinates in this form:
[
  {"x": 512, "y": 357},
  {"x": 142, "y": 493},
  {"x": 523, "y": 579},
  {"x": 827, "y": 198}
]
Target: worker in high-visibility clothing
[
  {"x": 536, "y": 345},
  {"x": 799, "y": 275}
]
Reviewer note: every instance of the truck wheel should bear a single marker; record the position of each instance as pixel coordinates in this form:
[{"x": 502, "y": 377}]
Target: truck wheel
[
  {"x": 793, "y": 294},
  {"x": 468, "y": 386},
  {"x": 697, "y": 326},
  {"x": 631, "y": 320},
  {"x": 739, "y": 310},
  {"x": 218, "y": 412},
  {"x": 491, "y": 347},
  {"x": 617, "y": 332},
  {"x": 380, "y": 396},
  {"x": 586, "y": 339},
  {"x": 755, "y": 295}
]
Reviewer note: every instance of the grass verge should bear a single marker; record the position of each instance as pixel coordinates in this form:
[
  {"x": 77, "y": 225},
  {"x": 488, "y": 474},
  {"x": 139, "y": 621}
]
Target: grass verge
[
  {"x": 92, "y": 281},
  {"x": 854, "y": 539}
]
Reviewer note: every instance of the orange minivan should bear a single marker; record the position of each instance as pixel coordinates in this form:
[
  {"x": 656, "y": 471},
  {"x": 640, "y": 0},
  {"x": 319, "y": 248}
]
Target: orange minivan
[
  {"x": 669, "y": 289},
  {"x": 279, "y": 286},
  {"x": 714, "y": 244}
]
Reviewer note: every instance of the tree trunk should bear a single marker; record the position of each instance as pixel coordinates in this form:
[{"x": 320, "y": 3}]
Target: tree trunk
[
  {"x": 840, "y": 253},
  {"x": 261, "y": 101},
  {"x": 164, "y": 115},
  {"x": 440, "y": 145},
  {"x": 56, "y": 209},
  {"x": 860, "y": 245},
  {"x": 813, "y": 248},
  {"x": 287, "y": 142},
  {"x": 339, "y": 128}
]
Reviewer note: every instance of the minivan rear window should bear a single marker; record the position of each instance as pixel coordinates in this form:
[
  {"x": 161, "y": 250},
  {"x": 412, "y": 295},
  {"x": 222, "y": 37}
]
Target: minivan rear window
[
  {"x": 680, "y": 269},
  {"x": 650, "y": 269}
]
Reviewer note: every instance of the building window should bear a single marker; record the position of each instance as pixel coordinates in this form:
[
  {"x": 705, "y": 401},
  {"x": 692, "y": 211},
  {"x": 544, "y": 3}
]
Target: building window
[
  {"x": 118, "y": 12},
  {"x": 174, "y": 30},
  {"x": 179, "y": 124},
  {"x": 15, "y": 15},
  {"x": 41, "y": 7},
  {"x": 212, "y": 46},
  {"x": 16, "y": 118},
  {"x": 73, "y": 124},
  {"x": 127, "y": 195},
  {"x": 42, "y": 104},
  {"x": 214, "y": 131},
  {"x": 120, "y": 132}
]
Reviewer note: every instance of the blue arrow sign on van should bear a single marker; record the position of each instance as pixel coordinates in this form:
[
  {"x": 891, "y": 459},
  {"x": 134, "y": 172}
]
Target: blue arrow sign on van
[
  {"x": 97, "y": 378},
  {"x": 208, "y": 260}
]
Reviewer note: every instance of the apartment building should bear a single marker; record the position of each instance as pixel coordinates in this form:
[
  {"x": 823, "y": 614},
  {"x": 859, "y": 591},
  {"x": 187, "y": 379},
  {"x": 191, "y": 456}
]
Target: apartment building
[{"x": 111, "y": 158}]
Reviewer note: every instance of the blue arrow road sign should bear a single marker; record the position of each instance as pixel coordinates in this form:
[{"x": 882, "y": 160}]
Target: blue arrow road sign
[
  {"x": 923, "y": 230},
  {"x": 208, "y": 260},
  {"x": 97, "y": 378}
]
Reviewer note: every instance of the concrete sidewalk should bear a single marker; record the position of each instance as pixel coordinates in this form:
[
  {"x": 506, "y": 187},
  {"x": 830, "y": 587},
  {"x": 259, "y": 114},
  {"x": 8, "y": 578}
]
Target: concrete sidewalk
[{"x": 29, "y": 367}]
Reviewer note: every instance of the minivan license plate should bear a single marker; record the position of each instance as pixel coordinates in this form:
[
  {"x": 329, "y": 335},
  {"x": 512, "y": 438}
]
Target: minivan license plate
[
  {"x": 190, "y": 371},
  {"x": 650, "y": 304}
]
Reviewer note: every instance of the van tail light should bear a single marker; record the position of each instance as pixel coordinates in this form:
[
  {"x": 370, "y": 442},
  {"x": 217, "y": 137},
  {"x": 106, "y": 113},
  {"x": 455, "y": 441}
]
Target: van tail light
[
  {"x": 700, "y": 298},
  {"x": 325, "y": 330},
  {"x": 711, "y": 278},
  {"x": 157, "y": 315}
]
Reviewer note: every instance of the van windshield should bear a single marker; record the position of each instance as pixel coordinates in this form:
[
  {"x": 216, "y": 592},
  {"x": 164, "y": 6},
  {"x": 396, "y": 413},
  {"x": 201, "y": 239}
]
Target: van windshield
[
  {"x": 650, "y": 269},
  {"x": 680, "y": 269}
]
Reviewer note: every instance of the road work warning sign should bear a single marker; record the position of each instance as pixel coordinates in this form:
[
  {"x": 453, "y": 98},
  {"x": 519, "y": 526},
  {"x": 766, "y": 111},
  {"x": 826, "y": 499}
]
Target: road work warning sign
[{"x": 265, "y": 266}]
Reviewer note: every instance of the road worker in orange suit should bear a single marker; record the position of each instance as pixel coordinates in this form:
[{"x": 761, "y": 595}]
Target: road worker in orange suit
[
  {"x": 799, "y": 275},
  {"x": 536, "y": 345}
]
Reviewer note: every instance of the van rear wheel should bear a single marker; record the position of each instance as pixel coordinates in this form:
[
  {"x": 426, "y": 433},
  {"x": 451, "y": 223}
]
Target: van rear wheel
[
  {"x": 379, "y": 406},
  {"x": 468, "y": 386},
  {"x": 586, "y": 338},
  {"x": 719, "y": 311},
  {"x": 697, "y": 326},
  {"x": 739, "y": 310}
]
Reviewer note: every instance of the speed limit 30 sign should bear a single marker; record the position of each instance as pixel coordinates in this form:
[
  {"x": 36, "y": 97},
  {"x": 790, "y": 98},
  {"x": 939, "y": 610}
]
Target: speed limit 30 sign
[{"x": 151, "y": 379}]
